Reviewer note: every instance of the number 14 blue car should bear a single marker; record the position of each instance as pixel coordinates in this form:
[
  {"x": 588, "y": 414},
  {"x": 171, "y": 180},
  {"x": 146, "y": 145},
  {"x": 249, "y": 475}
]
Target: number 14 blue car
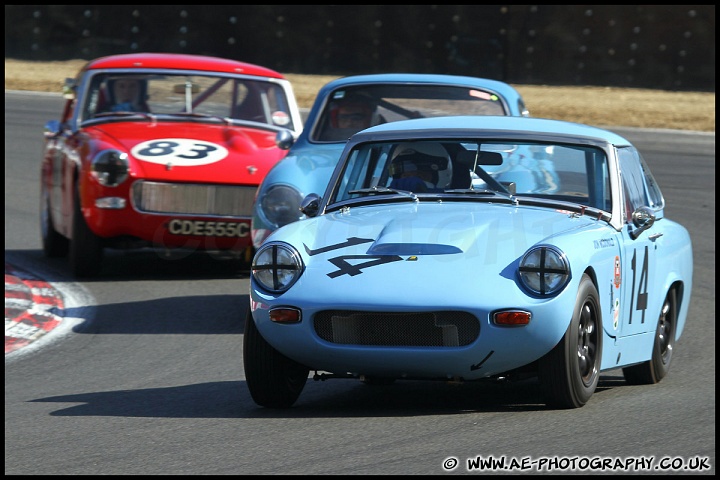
[{"x": 467, "y": 248}]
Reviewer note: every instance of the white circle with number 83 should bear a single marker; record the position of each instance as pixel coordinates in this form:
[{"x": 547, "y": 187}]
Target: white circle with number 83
[{"x": 180, "y": 152}]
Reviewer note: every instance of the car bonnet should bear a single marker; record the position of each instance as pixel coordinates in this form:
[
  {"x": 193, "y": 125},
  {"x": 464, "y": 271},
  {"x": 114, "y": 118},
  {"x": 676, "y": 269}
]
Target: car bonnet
[
  {"x": 192, "y": 152},
  {"x": 454, "y": 231}
]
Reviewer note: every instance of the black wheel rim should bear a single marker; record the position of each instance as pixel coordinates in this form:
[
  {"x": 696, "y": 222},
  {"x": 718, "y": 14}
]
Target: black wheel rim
[
  {"x": 665, "y": 332},
  {"x": 587, "y": 345}
]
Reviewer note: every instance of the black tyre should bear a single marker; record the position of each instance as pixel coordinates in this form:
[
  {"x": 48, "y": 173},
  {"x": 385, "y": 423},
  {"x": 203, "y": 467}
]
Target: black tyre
[
  {"x": 86, "y": 249},
  {"x": 657, "y": 367},
  {"x": 274, "y": 380},
  {"x": 569, "y": 373},
  {"x": 246, "y": 258},
  {"x": 54, "y": 244}
]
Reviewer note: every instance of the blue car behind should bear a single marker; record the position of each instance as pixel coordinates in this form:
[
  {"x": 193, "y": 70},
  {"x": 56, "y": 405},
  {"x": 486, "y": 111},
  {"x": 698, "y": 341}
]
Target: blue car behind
[{"x": 385, "y": 98}]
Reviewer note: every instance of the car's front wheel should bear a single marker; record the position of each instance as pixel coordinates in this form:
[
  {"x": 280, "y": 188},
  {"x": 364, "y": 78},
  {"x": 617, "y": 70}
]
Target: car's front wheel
[
  {"x": 54, "y": 244},
  {"x": 274, "y": 380},
  {"x": 657, "y": 367},
  {"x": 86, "y": 249},
  {"x": 569, "y": 373}
]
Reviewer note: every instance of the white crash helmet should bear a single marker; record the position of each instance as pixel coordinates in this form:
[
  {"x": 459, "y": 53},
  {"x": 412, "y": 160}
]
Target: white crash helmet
[{"x": 427, "y": 156}]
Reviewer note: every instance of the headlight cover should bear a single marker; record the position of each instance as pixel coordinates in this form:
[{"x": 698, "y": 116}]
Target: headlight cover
[
  {"x": 277, "y": 266},
  {"x": 110, "y": 167},
  {"x": 544, "y": 270},
  {"x": 280, "y": 205}
]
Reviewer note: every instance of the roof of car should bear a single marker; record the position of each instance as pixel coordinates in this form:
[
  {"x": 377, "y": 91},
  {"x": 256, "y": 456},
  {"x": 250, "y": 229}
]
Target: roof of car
[
  {"x": 180, "y": 61},
  {"x": 486, "y": 126},
  {"x": 502, "y": 88}
]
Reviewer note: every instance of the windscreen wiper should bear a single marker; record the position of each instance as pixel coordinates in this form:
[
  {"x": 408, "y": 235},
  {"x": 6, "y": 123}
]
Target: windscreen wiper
[
  {"x": 484, "y": 191},
  {"x": 383, "y": 191}
]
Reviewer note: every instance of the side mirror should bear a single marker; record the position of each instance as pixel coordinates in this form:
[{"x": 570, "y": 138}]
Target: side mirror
[
  {"x": 310, "y": 205},
  {"x": 52, "y": 128},
  {"x": 643, "y": 218},
  {"x": 284, "y": 139}
]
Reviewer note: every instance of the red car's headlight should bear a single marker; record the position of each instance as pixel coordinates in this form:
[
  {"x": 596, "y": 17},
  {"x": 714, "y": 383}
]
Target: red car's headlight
[{"x": 110, "y": 167}]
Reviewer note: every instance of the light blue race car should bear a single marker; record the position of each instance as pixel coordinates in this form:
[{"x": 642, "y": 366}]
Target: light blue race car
[
  {"x": 347, "y": 105},
  {"x": 432, "y": 255}
]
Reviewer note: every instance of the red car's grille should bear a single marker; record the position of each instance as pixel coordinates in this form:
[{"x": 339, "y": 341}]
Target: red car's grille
[
  {"x": 420, "y": 329},
  {"x": 193, "y": 199}
]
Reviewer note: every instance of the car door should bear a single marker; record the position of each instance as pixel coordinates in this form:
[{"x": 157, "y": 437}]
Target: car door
[{"x": 637, "y": 270}]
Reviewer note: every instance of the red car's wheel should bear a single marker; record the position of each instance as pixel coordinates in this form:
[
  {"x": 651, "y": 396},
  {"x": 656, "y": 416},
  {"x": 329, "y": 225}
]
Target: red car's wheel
[
  {"x": 86, "y": 249},
  {"x": 54, "y": 244}
]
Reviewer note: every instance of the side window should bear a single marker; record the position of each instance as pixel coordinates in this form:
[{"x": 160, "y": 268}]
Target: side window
[
  {"x": 280, "y": 111},
  {"x": 657, "y": 201},
  {"x": 523, "y": 109},
  {"x": 263, "y": 102},
  {"x": 634, "y": 175}
]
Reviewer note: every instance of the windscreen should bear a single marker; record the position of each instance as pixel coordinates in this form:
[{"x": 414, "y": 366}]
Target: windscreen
[
  {"x": 565, "y": 172},
  {"x": 350, "y": 110},
  {"x": 232, "y": 97}
]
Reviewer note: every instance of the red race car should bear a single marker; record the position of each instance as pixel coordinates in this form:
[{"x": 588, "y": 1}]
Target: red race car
[{"x": 163, "y": 151}]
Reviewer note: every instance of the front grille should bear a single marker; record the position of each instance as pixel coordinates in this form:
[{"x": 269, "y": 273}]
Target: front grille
[
  {"x": 420, "y": 329},
  {"x": 193, "y": 199}
]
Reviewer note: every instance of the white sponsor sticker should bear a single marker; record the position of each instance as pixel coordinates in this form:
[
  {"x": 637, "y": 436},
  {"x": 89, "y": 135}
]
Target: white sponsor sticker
[
  {"x": 180, "y": 152},
  {"x": 280, "y": 118}
]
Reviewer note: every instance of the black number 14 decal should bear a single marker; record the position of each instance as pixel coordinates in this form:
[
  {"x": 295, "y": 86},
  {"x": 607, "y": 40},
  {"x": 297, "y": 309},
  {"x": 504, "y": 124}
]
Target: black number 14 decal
[{"x": 642, "y": 295}]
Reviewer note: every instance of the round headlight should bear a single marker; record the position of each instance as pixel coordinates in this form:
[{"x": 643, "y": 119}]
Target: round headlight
[
  {"x": 110, "y": 167},
  {"x": 276, "y": 266},
  {"x": 544, "y": 270},
  {"x": 280, "y": 205}
]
